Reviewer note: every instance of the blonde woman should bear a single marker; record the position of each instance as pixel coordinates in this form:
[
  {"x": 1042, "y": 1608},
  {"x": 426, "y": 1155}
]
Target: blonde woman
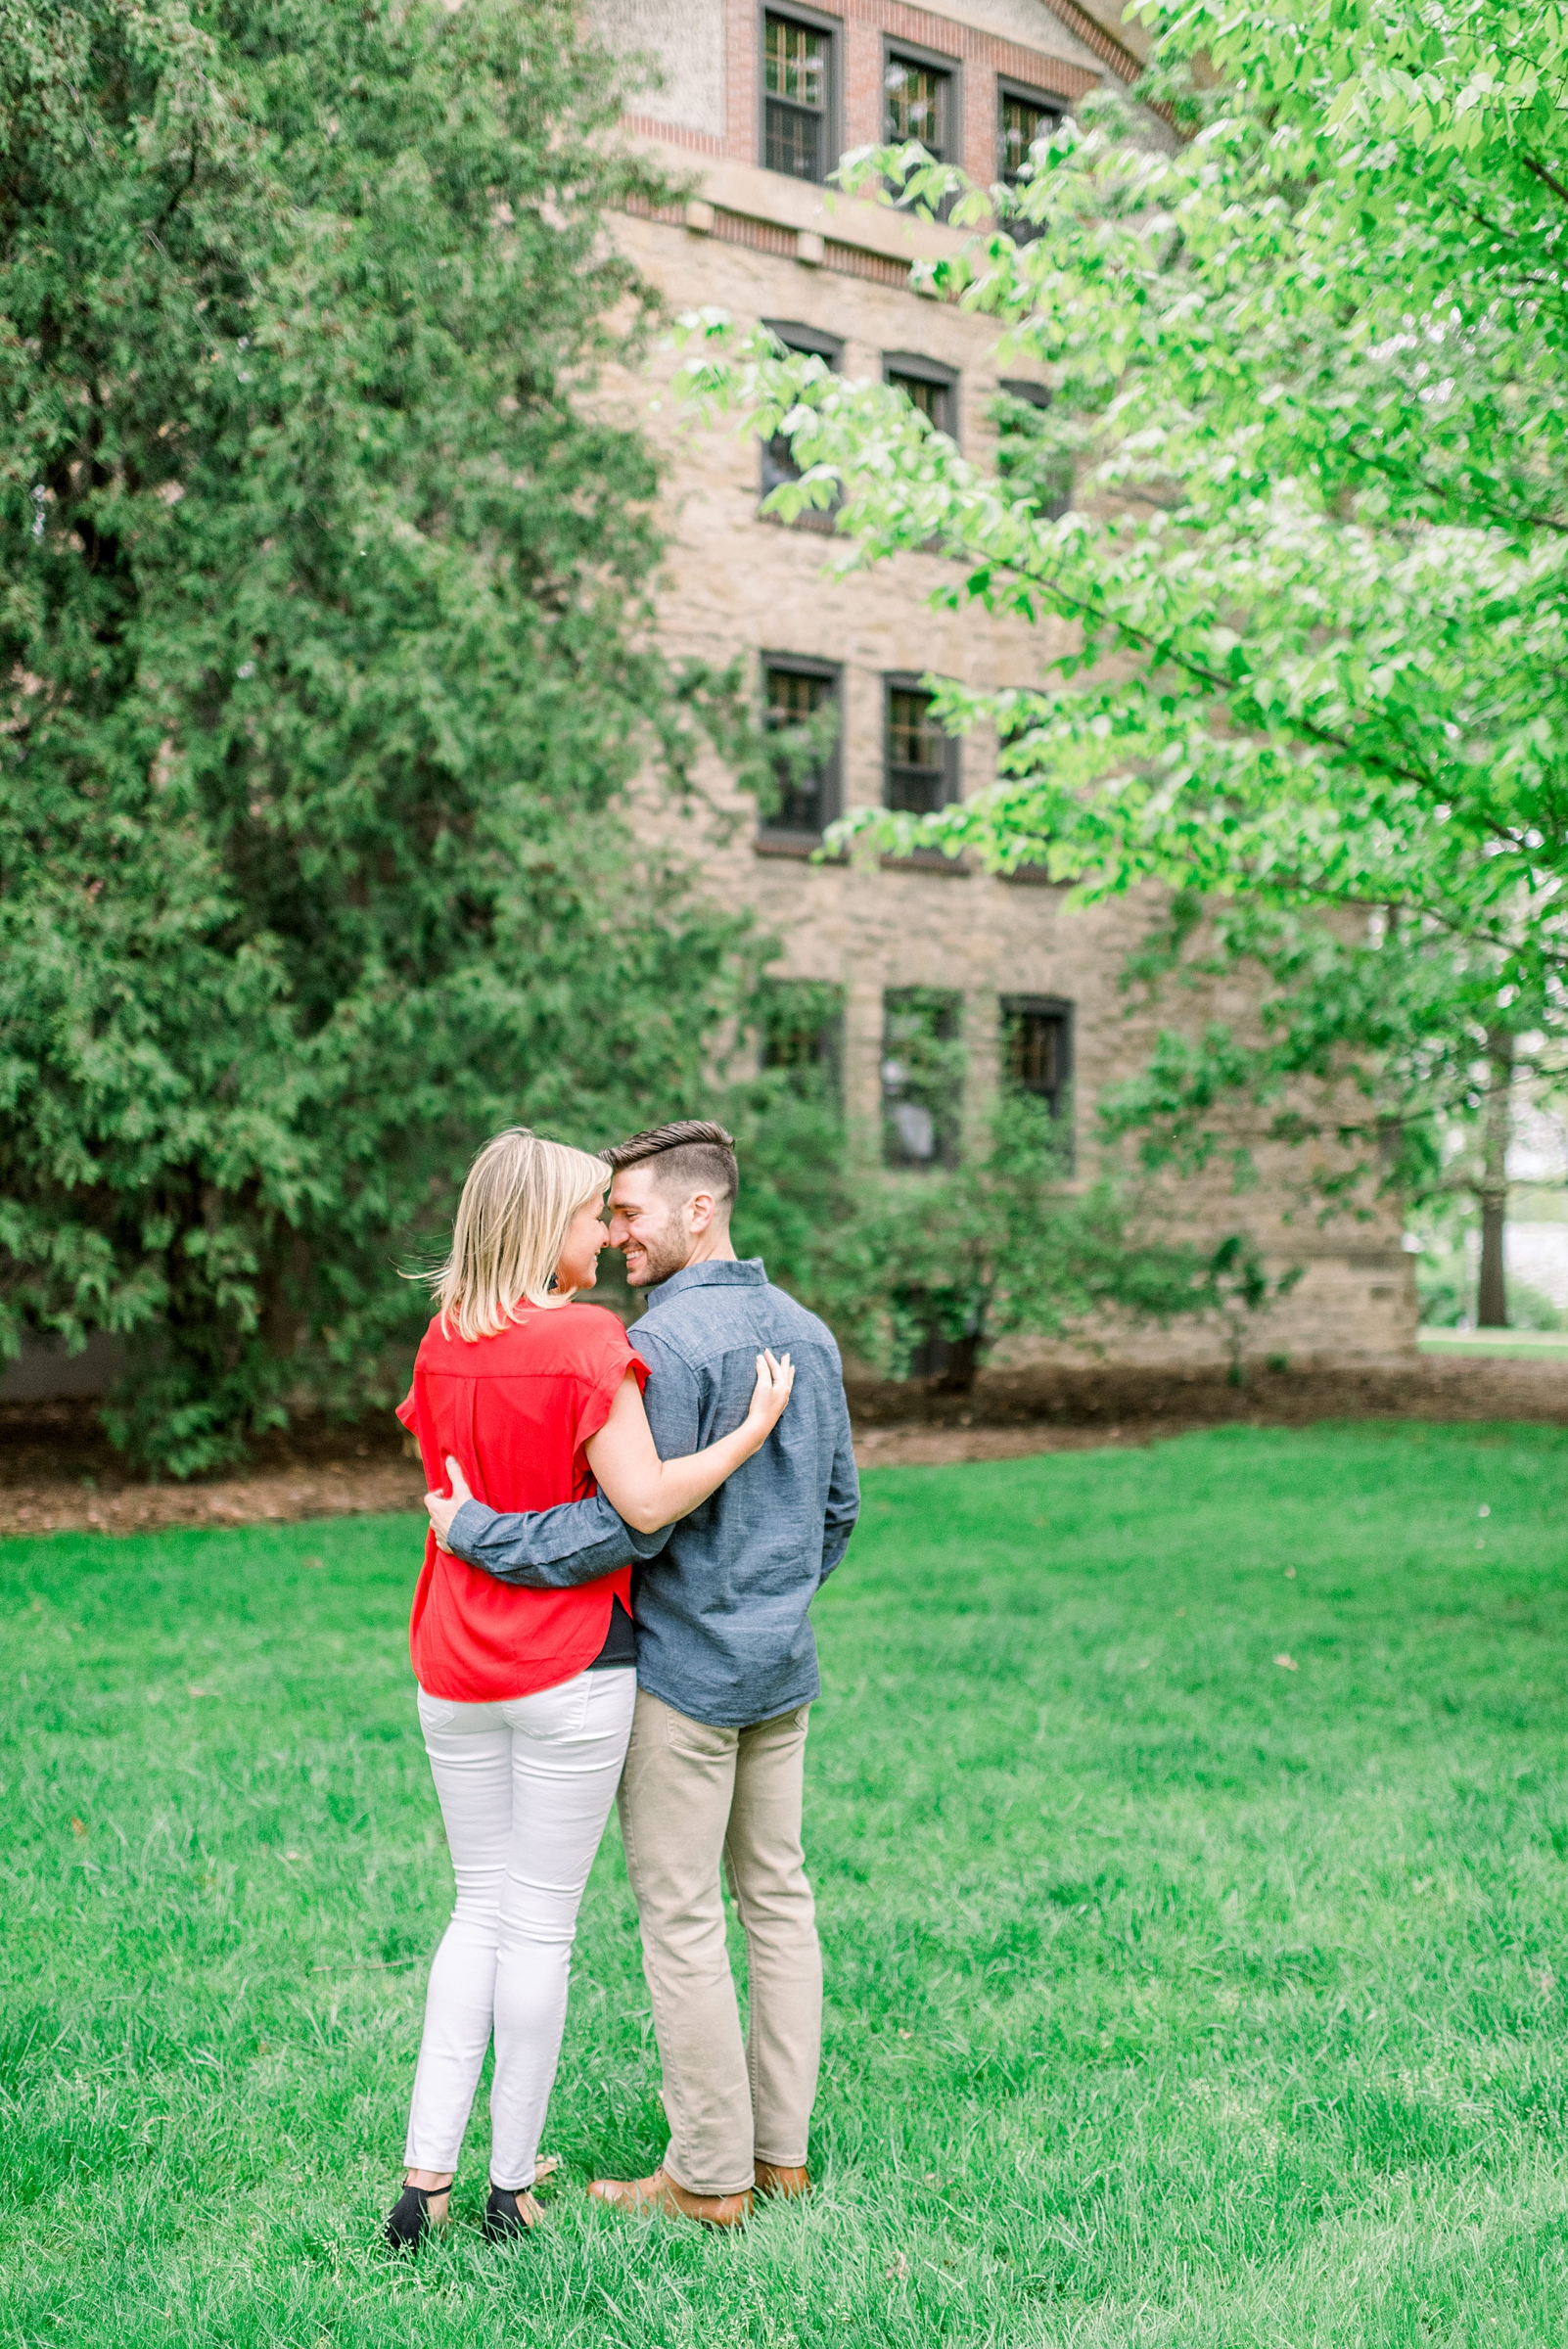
[{"x": 526, "y": 1696}]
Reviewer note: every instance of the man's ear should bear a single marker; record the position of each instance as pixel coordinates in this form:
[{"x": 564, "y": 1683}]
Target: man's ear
[{"x": 701, "y": 1208}]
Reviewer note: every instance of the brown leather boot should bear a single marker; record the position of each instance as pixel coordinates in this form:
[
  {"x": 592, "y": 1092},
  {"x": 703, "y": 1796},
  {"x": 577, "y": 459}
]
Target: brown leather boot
[
  {"x": 783, "y": 2184},
  {"x": 661, "y": 2193}
]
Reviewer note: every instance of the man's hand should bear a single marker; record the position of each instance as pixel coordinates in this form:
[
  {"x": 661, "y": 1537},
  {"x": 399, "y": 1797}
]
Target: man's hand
[{"x": 442, "y": 1510}]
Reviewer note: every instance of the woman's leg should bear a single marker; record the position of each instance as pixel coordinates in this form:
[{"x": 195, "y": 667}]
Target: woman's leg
[
  {"x": 469, "y": 1750},
  {"x": 567, "y": 1746}
]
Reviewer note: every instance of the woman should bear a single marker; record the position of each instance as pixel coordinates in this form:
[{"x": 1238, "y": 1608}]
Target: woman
[{"x": 526, "y": 1696}]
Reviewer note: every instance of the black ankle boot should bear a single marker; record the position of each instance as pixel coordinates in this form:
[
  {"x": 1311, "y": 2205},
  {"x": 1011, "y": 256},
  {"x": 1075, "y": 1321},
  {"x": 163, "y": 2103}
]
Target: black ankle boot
[
  {"x": 410, "y": 2222},
  {"x": 504, "y": 2222}
]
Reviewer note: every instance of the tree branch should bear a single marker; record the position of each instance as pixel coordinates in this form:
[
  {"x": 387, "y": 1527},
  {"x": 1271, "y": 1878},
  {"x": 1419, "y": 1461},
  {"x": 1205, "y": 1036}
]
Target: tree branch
[
  {"x": 1544, "y": 175},
  {"x": 181, "y": 192}
]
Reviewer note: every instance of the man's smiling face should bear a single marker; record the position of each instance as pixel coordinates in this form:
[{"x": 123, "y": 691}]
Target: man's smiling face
[{"x": 651, "y": 1227}]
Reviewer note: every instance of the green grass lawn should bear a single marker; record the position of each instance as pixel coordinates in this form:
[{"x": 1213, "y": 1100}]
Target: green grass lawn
[
  {"x": 1175, "y": 1996},
  {"x": 1502, "y": 1345}
]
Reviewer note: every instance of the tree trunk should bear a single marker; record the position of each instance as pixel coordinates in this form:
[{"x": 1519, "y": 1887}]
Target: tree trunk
[
  {"x": 1492, "y": 1300},
  {"x": 957, "y": 1376}
]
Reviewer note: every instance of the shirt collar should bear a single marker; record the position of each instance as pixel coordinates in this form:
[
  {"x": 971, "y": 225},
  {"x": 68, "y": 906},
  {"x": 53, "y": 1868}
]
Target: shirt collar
[{"x": 718, "y": 1273}]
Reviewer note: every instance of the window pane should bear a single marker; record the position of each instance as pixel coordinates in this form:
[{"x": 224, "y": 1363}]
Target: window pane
[
  {"x": 916, "y": 104},
  {"x": 922, "y": 1076},
  {"x": 929, "y": 399},
  {"x": 794, "y": 141},
  {"x": 912, "y": 738},
  {"x": 1022, "y": 123},
  {"x": 915, "y": 781},
  {"x": 795, "y": 63},
  {"x": 1035, "y": 1052},
  {"x": 802, "y": 1033},
  {"x": 778, "y": 463},
  {"x": 1032, "y": 454},
  {"x": 792, "y": 699}
]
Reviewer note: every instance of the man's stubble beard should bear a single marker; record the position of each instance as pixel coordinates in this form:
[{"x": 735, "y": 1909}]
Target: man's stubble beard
[{"x": 660, "y": 1260}]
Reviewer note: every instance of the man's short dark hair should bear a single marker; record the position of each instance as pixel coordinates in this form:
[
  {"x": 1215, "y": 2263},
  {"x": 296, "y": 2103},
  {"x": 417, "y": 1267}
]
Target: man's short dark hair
[{"x": 693, "y": 1155}]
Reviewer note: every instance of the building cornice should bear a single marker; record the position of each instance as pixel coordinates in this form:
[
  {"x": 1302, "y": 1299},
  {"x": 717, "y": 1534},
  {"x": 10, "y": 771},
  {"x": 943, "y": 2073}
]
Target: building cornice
[{"x": 821, "y": 217}]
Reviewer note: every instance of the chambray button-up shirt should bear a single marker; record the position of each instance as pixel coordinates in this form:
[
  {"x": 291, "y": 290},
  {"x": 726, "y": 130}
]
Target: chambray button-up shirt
[{"x": 721, "y": 1599}]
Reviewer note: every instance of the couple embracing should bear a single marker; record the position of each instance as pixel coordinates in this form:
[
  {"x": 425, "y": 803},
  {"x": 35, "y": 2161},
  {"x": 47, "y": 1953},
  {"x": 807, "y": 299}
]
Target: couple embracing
[{"x": 626, "y": 1536}]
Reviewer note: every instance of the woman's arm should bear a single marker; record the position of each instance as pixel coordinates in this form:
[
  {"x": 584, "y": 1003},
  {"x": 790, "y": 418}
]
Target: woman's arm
[{"x": 648, "y": 1492}]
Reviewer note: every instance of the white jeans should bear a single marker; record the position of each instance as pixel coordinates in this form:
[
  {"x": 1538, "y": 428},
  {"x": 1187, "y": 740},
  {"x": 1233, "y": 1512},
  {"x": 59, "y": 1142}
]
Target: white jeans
[{"x": 524, "y": 1788}]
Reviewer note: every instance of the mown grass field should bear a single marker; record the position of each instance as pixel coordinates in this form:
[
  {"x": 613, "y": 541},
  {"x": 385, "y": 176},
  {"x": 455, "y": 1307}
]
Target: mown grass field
[{"x": 1177, "y": 1996}]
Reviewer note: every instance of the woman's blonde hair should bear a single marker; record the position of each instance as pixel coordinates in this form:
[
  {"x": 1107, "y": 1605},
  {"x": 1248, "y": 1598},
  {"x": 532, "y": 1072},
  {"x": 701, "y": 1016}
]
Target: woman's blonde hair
[{"x": 519, "y": 1200}]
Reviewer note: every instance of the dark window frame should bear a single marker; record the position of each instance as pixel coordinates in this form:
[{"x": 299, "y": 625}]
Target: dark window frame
[
  {"x": 769, "y": 831},
  {"x": 916, "y": 367},
  {"x": 1059, "y": 1011},
  {"x": 947, "y": 1116},
  {"x": 774, "y": 467},
  {"x": 906, "y": 681},
  {"x": 952, "y": 72},
  {"x": 832, "y": 112}
]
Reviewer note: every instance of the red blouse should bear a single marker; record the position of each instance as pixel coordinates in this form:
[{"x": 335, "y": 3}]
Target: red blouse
[{"x": 515, "y": 1411}]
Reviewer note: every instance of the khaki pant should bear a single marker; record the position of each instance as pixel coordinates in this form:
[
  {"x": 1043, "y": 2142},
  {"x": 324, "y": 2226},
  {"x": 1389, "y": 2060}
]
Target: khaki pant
[{"x": 693, "y": 1799}]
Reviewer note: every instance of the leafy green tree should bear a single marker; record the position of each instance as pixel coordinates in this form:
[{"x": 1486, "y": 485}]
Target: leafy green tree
[
  {"x": 1312, "y": 371},
  {"x": 1005, "y": 1243},
  {"x": 325, "y": 638}
]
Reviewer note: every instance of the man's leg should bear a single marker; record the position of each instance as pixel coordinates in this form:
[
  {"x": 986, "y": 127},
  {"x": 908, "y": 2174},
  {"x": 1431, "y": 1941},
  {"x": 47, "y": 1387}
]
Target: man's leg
[
  {"x": 784, "y": 1960},
  {"x": 674, "y": 1802}
]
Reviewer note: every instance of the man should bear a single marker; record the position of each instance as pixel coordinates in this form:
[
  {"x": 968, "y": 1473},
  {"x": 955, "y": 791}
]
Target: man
[{"x": 726, "y": 1672}]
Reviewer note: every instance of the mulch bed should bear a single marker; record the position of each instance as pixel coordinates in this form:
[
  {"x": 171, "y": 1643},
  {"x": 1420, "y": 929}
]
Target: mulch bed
[{"x": 59, "y": 1473}]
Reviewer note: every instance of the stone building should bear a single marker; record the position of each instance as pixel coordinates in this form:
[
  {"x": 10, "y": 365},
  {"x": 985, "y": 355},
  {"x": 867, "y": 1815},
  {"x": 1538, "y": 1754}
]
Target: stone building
[{"x": 753, "y": 106}]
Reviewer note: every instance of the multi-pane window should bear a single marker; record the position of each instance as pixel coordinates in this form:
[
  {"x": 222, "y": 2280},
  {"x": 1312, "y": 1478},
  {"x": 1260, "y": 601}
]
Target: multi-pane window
[
  {"x": 1038, "y": 1047},
  {"x": 1024, "y": 120},
  {"x": 927, "y": 383},
  {"x": 797, "y": 96},
  {"x": 801, "y": 707},
  {"x": 919, "y": 105},
  {"x": 920, "y": 761},
  {"x": 802, "y": 1037},
  {"x": 922, "y": 1076},
  {"x": 778, "y": 460}
]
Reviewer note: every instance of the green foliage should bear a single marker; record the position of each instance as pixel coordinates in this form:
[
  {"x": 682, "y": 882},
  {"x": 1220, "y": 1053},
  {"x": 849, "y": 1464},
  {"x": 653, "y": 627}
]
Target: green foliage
[
  {"x": 1003, "y": 1243},
  {"x": 1532, "y": 1309},
  {"x": 1443, "y": 1288},
  {"x": 1236, "y": 1287},
  {"x": 1316, "y": 366},
  {"x": 324, "y": 634},
  {"x": 788, "y": 1122},
  {"x": 1174, "y": 1997},
  {"x": 924, "y": 1059},
  {"x": 1034, "y": 455}
]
